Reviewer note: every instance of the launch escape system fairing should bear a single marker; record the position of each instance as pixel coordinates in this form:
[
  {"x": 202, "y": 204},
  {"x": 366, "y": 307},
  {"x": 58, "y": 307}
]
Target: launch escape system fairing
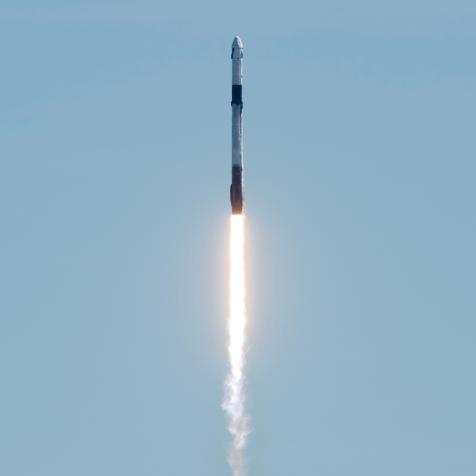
[{"x": 236, "y": 189}]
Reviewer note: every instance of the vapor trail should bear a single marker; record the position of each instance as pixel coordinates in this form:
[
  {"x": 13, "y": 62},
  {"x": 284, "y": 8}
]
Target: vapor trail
[{"x": 234, "y": 400}]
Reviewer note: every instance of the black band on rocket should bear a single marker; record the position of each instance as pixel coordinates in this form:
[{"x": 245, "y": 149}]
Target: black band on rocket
[{"x": 236, "y": 94}]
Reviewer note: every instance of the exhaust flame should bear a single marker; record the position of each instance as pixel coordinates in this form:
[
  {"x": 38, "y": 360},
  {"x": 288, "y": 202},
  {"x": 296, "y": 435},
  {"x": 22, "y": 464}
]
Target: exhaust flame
[{"x": 233, "y": 403}]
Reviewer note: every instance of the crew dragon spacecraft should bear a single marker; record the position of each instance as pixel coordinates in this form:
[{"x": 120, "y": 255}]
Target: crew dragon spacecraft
[{"x": 236, "y": 189}]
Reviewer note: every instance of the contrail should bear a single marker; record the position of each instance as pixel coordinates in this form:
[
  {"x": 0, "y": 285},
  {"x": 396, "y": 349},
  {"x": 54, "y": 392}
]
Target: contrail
[{"x": 234, "y": 401}]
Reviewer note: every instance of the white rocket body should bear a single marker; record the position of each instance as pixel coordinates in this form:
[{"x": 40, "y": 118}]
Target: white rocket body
[{"x": 236, "y": 189}]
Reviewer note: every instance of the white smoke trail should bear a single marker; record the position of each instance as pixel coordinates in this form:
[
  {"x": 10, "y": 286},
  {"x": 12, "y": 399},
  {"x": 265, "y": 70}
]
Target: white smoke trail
[{"x": 234, "y": 401}]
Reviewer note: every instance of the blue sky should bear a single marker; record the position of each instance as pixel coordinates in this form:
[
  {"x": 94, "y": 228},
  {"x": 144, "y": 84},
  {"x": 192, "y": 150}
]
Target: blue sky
[{"x": 114, "y": 175}]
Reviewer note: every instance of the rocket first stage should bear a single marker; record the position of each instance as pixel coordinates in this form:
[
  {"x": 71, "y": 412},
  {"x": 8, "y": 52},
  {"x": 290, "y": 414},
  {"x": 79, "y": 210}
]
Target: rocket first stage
[{"x": 236, "y": 189}]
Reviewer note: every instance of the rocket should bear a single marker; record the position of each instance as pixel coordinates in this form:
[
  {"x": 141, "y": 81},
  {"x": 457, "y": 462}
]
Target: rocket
[{"x": 236, "y": 189}]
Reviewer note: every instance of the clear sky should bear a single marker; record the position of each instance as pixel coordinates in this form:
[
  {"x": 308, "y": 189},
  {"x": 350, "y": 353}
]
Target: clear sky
[{"x": 360, "y": 185}]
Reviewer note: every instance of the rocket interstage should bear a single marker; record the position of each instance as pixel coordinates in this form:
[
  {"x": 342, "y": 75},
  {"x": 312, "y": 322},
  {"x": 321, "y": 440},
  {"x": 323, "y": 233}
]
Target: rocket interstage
[{"x": 236, "y": 189}]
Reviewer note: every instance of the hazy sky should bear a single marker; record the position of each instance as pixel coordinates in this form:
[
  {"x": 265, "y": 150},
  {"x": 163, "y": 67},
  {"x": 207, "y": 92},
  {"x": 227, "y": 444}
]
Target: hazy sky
[{"x": 360, "y": 185}]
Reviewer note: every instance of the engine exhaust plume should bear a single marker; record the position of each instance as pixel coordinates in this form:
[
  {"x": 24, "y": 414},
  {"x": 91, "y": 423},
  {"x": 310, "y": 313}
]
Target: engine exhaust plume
[{"x": 234, "y": 400}]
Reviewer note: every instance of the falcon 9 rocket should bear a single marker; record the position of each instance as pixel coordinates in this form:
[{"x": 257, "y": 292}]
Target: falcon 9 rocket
[{"x": 236, "y": 189}]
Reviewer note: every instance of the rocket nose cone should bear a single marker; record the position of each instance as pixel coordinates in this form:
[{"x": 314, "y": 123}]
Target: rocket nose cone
[
  {"x": 237, "y": 43},
  {"x": 237, "y": 48}
]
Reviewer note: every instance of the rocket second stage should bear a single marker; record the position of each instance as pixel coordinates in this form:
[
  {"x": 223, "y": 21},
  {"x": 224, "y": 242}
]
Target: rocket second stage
[{"x": 236, "y": 189}]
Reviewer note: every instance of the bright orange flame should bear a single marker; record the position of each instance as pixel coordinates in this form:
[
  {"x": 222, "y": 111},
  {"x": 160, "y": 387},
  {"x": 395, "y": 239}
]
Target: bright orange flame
[
  {"x": 237, "y": 320},
  {"x": 234, "y": 395}
]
